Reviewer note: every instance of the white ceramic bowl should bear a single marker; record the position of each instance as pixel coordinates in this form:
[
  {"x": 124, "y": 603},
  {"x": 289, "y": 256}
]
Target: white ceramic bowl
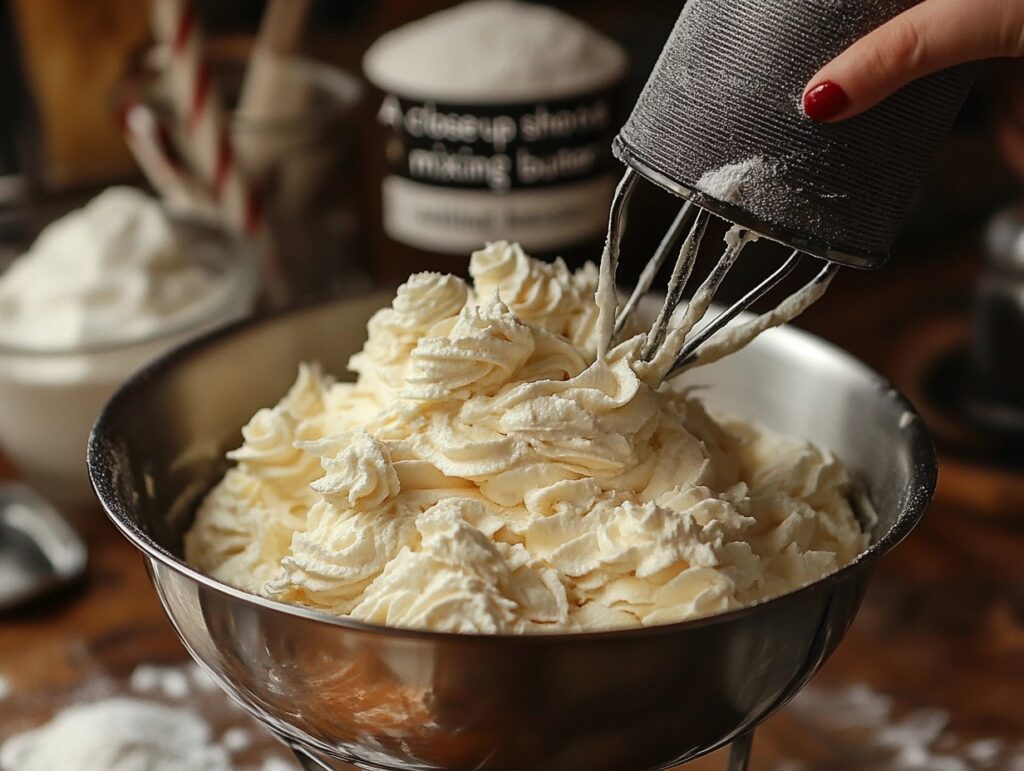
[{"x": 50, "y": 398}]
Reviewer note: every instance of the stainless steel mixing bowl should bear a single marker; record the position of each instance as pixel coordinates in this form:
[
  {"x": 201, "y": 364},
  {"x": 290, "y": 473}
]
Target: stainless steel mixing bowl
[{"x": 398, "y": 699}]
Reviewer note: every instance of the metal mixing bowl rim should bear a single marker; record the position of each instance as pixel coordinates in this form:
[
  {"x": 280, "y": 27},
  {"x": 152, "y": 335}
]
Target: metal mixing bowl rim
[{"x": 920, "y": 445}]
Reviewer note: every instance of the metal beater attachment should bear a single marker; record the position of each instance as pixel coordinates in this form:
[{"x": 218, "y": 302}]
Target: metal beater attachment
[
  {"x": 677, "y": 340},
  {"x": 722, "y": 103}
]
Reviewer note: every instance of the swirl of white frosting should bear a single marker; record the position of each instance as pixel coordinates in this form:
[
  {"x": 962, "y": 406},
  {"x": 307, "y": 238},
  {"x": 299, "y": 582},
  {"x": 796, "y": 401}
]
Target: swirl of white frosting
[
  {"x": 458, "y": 451},
  {"x": 537, "y": 292},
  {"x": 484, "y": 347},
  {"x": 553, "y": 358},
  {"x": 305, "y": 399},
  {"x": 546, "y": 295},
  {"x": 461, "y": 580},
  {"x": 594, "y": 424},
  {"x": 336, "y": 556},
  {"x": 421, "y": 302},
  {"x": 269, "y": 453},
  {"x": 360, "y": 475},
  {"x": 244, "y": 529}
]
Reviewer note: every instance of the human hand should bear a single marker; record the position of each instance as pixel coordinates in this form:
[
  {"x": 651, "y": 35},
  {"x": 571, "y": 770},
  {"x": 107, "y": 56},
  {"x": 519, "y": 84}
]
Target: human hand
[{"x": 930, "y": 36}]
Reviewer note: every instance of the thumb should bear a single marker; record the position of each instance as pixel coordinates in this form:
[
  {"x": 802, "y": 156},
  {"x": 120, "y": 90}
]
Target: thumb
[{"x": 926, "y": 38}]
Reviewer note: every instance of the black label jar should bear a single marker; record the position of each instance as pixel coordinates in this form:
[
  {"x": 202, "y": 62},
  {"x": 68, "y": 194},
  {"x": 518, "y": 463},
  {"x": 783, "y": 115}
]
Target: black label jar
[{"x": 497, "y": 121}]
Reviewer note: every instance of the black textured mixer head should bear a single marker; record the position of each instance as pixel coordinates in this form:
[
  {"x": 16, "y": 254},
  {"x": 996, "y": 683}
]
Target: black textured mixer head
[{"x": 720, "y": 121}]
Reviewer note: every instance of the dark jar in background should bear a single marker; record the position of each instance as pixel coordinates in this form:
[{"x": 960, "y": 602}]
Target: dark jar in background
[{"x": 495, "y": 120}]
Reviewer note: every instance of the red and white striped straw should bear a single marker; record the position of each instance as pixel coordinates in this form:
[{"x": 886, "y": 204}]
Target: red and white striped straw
[
  {"x": 193, "y": 94},
  {"x": 150, "y": 142}
]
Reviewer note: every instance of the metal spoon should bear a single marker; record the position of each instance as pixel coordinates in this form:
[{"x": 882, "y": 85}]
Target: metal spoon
[{"x": 39, "y": 551}]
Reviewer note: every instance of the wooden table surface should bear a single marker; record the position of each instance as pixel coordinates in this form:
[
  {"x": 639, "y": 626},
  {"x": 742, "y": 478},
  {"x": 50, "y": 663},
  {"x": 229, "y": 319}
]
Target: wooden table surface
[{"x": 942, "y": 627}]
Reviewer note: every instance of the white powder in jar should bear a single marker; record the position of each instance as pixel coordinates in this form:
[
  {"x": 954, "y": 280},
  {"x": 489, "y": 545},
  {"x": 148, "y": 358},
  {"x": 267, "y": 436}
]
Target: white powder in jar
[{"x": 490, "y": 51}]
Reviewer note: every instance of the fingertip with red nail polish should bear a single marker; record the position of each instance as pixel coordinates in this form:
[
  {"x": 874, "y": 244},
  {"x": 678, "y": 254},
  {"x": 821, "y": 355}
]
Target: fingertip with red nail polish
[{"x": 825, "y": 101}]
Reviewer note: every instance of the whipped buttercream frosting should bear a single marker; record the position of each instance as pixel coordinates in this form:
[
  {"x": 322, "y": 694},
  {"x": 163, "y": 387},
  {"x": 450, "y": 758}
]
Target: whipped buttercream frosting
[
  {"x": 112, "y": 271},
  {"x": 489, "y": 471}
]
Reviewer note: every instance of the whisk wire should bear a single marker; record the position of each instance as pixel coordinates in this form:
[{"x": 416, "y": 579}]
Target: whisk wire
[
  {"x": 677, "y": 283},
  {"x": 697, "y": 305},
  {"x": 722, "y": 319},
  {"x": 671, "y": 344},
  {"x": 607, "y": 296},
  {"x": 680, "y": 225},
  {"x": 783, "y": 313}
]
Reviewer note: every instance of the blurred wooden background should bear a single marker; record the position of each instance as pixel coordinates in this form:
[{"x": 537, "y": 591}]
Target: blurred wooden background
[{"x": 943, "y": 625}]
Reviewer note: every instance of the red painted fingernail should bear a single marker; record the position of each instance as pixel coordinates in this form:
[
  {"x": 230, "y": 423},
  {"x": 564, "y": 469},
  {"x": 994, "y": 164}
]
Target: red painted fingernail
[{"x": 825, "y": 101}]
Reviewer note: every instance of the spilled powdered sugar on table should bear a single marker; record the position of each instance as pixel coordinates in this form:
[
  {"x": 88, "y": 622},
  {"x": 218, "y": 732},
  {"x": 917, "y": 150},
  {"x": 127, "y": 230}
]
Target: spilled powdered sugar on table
[
  {"x": 867, "y": 730},
  {"x": 160, "y": 718}
]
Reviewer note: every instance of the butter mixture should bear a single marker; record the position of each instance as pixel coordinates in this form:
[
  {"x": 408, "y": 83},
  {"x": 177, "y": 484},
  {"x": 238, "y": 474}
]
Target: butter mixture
[{"x": 490, "y": 471}]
